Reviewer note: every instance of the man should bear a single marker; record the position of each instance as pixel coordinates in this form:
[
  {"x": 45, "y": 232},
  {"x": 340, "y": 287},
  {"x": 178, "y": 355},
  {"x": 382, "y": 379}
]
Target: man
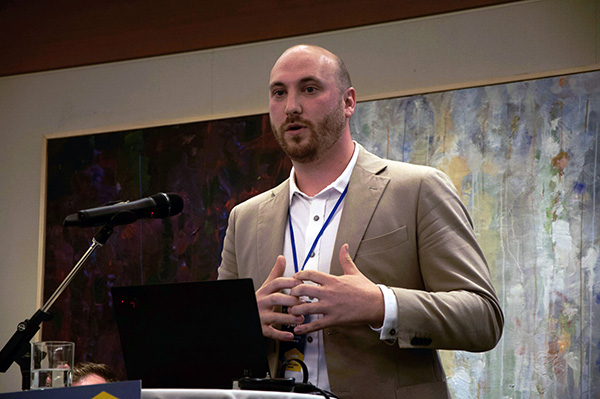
[
  {"x": 92, "y": 374},
  {"x": 376, "y": 261}
]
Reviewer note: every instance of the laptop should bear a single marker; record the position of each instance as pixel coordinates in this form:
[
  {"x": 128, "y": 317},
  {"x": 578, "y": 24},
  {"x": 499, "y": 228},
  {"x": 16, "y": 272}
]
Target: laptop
[{"x": 190, "y": 335}]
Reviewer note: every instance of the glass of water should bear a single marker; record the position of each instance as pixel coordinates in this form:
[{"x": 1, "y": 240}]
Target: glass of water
[{"x": 51, "y": 364}]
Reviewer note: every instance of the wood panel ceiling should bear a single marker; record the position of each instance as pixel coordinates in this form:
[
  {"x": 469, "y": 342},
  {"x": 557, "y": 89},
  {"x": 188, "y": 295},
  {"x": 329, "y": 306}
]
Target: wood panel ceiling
[{"x": 40, "y": 35}]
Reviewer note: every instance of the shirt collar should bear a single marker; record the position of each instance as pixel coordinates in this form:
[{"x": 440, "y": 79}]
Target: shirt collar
[{"x": 339, "y": 184}]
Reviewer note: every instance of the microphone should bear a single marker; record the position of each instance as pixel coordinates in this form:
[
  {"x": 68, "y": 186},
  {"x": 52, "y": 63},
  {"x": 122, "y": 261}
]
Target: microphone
[{"x": 157, "y": 206}]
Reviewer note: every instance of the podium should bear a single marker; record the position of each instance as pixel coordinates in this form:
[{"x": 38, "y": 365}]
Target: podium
[{"x": 115, "y": 390}]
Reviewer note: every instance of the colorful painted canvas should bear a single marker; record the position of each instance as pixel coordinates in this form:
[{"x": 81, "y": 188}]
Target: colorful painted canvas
[
  {"x": 212, "y": 165},
  {"x": 524, "y": 157}
]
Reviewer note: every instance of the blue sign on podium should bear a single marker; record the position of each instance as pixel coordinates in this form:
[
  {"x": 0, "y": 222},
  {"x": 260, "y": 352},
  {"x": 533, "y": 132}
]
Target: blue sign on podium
[{"x": 115, "y": 390}]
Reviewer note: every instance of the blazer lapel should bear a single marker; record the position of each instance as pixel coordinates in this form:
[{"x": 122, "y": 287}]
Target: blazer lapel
[
  {"x": 272, "y": 218},
  {"x": 364, "y": 192}
]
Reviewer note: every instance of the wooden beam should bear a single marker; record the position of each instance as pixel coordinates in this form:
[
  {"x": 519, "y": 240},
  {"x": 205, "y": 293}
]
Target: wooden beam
[{"x": 42, "y": 35}]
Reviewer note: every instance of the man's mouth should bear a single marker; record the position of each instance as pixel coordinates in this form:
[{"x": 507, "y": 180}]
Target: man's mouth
[{"x": 294, "y": 127}]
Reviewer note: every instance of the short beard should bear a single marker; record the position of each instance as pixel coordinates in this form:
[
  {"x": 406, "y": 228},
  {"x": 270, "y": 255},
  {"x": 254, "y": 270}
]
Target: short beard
[{"x": 321, "y": 139}]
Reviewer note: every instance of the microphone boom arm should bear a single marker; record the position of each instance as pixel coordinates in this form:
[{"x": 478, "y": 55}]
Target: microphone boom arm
[{"x": 17, "y": 349}]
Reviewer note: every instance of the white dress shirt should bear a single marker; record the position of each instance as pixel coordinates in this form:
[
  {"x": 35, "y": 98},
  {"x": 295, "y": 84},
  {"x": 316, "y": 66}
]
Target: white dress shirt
[{"x": 308, "y": 217}]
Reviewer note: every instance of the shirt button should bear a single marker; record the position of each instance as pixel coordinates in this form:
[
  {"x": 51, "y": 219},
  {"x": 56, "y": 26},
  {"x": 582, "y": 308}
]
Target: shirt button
[
  {"x": 316, "y": 218},
  {"x": 312, "y": 255},
  {"x": 392, "y": 332},
  {"x": 309, "y": 339}
]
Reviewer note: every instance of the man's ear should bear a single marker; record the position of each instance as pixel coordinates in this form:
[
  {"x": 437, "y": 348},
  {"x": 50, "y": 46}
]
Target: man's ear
[{"x": 349, "y": 98}]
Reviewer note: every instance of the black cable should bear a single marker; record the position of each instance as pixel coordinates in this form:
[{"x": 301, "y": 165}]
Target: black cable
[
  {"x": 305, "y": 386},
  {"x": 281, "y": 372}
]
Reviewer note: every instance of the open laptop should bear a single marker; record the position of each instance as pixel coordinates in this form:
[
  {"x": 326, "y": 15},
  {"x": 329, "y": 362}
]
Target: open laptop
[{"x": 190, "y": 335}]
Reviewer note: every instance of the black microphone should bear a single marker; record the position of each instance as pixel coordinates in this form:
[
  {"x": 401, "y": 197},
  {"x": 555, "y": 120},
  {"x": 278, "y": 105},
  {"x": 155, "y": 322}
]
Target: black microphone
[{"x": 156, "y": 206}]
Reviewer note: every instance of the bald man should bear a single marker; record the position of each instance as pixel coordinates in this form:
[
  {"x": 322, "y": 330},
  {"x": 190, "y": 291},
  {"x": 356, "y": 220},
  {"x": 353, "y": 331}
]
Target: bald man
[{"x": 374, "y": 261}]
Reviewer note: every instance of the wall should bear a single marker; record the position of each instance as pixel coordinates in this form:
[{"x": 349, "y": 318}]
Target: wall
[{"x": 453, "y": 50}]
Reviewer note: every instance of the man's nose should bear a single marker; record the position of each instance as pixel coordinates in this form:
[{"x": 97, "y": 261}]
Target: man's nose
[{"x": 293, "y": 105}]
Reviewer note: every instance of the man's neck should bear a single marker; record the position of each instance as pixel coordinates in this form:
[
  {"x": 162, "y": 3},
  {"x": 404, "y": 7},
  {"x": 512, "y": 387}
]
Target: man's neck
[{"x": 313, "y": 177}]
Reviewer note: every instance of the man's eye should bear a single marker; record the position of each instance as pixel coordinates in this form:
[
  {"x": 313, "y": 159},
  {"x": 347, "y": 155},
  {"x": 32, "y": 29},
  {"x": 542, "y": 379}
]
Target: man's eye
[
  {"x": 311, "y": 89},
  {"x": 278, "y": 93}
]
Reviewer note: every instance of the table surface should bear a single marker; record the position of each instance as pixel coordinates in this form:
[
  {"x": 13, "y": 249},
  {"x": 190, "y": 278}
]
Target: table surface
[{"x": 219, "y": 394}]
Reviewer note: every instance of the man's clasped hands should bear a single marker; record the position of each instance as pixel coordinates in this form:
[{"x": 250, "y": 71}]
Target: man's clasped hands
[{"x": 349, "y": 299}]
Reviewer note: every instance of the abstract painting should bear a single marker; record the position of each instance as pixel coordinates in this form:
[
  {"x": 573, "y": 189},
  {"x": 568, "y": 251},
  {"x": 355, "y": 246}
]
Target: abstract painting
[
  {"x": 524, "y": 157},
  {"x": 212, "y": 165}
]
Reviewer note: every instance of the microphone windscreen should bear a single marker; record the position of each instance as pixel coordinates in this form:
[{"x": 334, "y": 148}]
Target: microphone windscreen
[{"x": 176, "y": 204}]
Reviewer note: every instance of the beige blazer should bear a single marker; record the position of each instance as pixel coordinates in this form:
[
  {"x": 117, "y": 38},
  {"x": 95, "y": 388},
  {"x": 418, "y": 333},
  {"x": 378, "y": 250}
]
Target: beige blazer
[{"x": 407, "y": 229}]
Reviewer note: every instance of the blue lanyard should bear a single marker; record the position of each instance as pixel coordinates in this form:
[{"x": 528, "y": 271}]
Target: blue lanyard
[{"x": 312, "y": 248}]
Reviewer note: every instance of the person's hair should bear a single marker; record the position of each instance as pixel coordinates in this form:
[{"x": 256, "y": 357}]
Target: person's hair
[
  {"x": 82, "y": 370},
  {"x": 343, "y": 76}
]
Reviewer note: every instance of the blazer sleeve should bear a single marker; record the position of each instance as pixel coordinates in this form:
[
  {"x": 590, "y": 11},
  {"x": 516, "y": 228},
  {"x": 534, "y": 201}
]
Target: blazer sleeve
[{"x": 458, "y": 307}]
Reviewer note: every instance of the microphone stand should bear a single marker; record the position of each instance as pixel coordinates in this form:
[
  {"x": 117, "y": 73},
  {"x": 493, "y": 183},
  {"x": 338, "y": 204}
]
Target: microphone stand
[{"x": 18, "y": 348}]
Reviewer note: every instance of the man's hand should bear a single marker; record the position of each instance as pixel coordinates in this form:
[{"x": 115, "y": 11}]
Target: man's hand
[
  {"x": 351, "y": 299},
  {"x": 269, "y": 296}
]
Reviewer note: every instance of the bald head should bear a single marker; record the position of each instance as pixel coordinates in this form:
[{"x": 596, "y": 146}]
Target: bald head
[{"x": 327, "y": 57}]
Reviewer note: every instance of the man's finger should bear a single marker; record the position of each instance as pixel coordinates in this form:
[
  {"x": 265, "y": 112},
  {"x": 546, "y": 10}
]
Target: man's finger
[
  {"x": 314, "y": 276},
  {"x": 309, "y": 308},
  {"x": 275, "y": 282},
  {"x": 309, "y": 290},
  {"x": 278, "y": 318},
  {"x": 278, "y": 299},
  {"x": 277, "y": 270},
  {"x": 273, "y": 333},
  {"x": 346, "y": 261},
  {"x": 307, "y": 328}
]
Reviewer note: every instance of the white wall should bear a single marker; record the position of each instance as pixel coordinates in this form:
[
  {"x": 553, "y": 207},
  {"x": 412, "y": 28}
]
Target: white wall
[{"x": 453, "y": 50}]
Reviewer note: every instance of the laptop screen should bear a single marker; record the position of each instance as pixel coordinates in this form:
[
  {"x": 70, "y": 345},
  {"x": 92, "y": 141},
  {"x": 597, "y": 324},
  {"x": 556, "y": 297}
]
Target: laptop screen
[{"x": 190, "y": 335}]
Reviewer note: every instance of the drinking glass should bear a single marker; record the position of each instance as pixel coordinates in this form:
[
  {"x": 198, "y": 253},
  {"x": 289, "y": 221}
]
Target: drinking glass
[{"x": 51, "y": 364}]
